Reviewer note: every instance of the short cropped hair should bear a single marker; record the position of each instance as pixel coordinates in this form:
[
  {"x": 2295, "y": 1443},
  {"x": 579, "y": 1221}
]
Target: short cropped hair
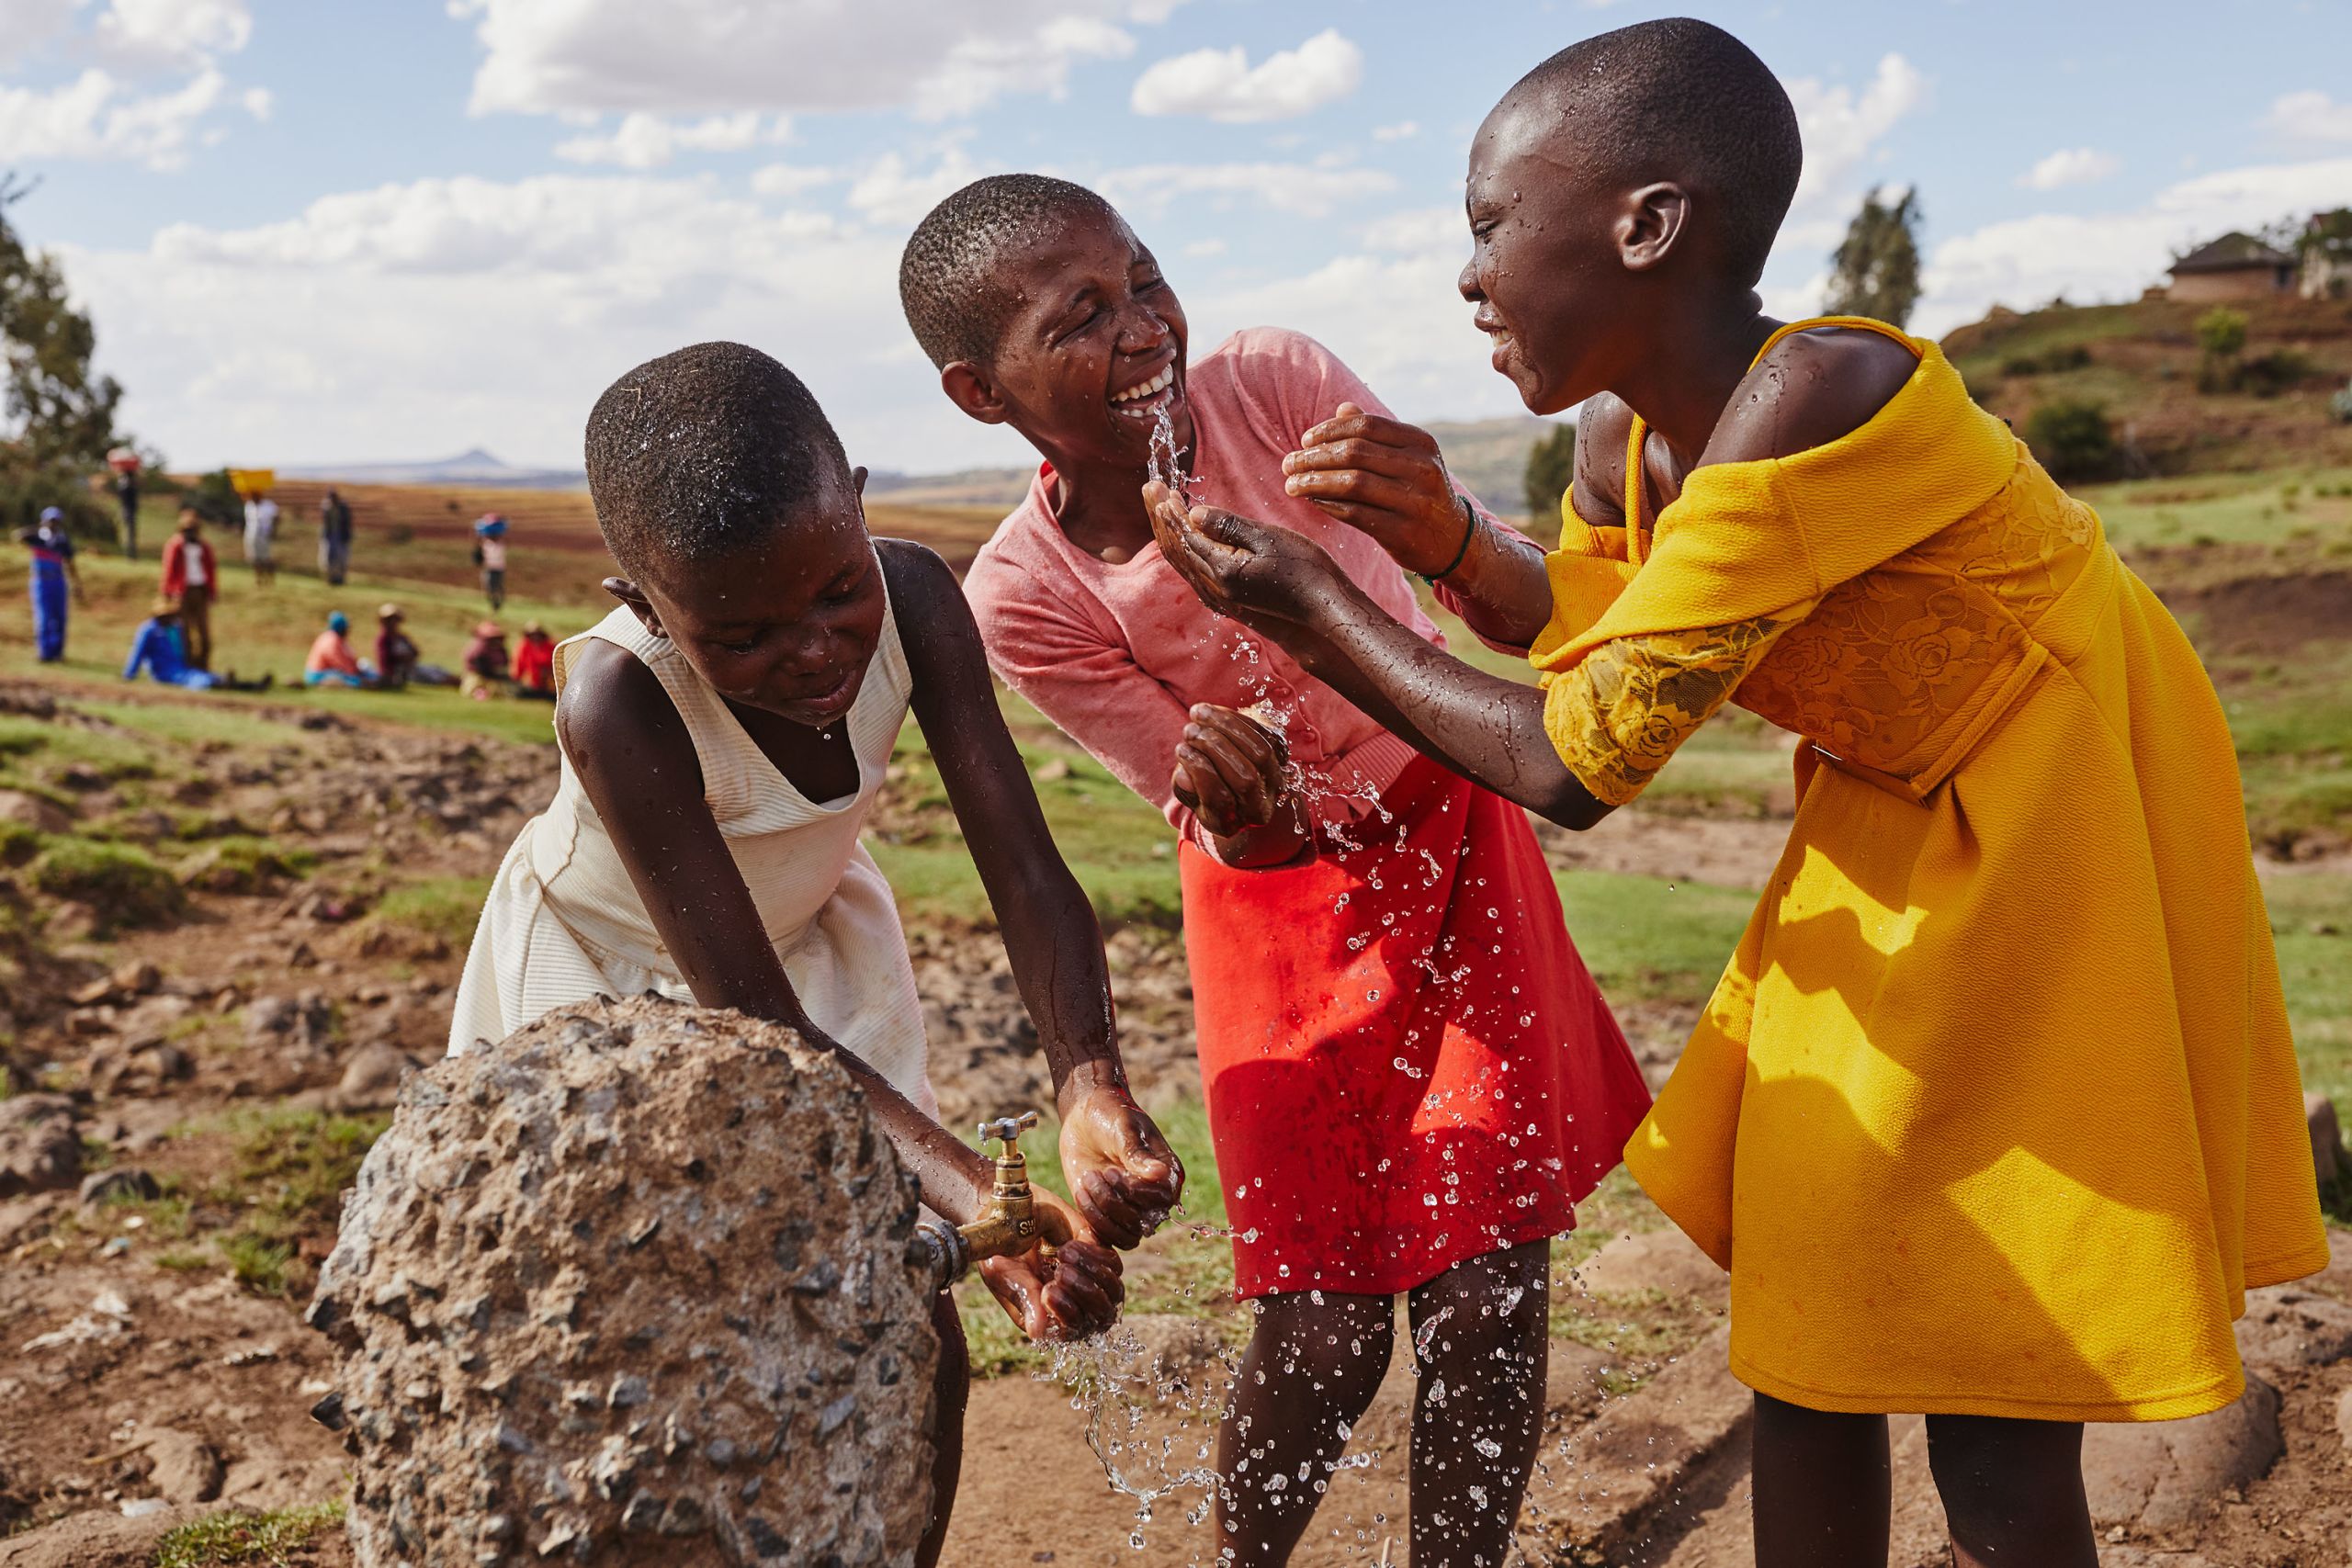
[
  {"x": 1683, "y": 100},
  {"x": 947, "y": 280},
  {"x": 704, "y": 451}
]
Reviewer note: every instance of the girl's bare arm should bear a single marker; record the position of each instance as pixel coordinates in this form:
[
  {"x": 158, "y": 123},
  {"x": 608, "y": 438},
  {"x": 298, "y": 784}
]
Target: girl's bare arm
[{"x": 1122, "y": 1173}]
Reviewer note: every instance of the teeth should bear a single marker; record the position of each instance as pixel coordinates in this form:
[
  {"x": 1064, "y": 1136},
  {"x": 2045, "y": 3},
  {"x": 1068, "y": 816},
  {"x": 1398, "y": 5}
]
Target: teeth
[{"x": 1162, "y": 382}]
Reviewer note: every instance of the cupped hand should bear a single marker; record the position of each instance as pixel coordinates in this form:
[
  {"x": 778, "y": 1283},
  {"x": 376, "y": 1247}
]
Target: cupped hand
[
  {"x": 1228, "y": 770},
  {"x": 1385, "y": 478},
  {"x": 1068, "y": 1287},
  {"x": 1120, "y": 1170},
  {"x": 1268, "y": 578}
]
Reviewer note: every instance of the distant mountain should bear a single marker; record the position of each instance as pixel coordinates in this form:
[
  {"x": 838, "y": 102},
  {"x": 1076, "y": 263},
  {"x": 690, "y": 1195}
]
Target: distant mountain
[
  {"x": 1489, "y": 455},
  {"x": 476, "y": 468}
]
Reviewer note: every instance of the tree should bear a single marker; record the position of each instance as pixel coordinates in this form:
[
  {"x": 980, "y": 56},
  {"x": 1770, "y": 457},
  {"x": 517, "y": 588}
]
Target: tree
[
  {"x": 2073, "y": 439},
  {"x": 56, "y": 412},
  {"x": 1876, "y": 270},
  {"x": 1551, "y": 464},
  {"x": 2220, "y": 333}
]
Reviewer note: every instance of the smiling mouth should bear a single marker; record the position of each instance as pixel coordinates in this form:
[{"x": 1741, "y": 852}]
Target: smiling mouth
[{"x": 1148, "y": 393}]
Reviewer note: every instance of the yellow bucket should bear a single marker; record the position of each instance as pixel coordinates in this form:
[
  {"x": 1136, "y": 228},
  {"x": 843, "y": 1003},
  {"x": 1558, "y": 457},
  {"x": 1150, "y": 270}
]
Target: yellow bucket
[{"x": 252, "y": 482}]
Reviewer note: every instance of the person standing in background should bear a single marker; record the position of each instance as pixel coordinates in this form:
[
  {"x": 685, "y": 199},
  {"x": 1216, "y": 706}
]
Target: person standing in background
[
  {"x": 192, "y": 577},
  {"x": 261, "y": 538},
  {"x": 335, "y": 538},
  {"x": 53, "y": 574},
  {"x": 489, "y": 554},
  {"x": 126, "y": 494}
]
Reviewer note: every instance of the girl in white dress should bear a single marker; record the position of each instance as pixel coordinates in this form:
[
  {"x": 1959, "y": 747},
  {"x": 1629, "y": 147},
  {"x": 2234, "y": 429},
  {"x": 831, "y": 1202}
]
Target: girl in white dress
[{"x": 724, "y": 733}]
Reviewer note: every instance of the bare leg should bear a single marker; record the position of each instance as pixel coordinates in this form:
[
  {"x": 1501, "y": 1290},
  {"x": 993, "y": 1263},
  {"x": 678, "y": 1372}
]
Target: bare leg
[
  {"x": 1309, "y": 1374},
  {"x": 1478, "y": 1410},
  {"x": 1823, "y": 1488},
  {"x": 2012, "y": 1491},
  {"x": 952, "y": 1387}
]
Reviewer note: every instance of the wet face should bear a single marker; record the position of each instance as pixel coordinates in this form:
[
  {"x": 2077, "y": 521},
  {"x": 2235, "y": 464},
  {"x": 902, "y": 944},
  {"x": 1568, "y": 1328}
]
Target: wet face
[
  {"x": 1091, "y": 353},
  {"x": 788, "y": 625},
  {"x": 1546, "y": 271}
]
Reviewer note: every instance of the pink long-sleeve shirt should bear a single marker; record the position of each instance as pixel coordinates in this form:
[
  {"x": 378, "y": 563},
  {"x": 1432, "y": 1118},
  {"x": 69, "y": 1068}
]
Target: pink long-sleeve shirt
[{"x": 1118, "y": 654}]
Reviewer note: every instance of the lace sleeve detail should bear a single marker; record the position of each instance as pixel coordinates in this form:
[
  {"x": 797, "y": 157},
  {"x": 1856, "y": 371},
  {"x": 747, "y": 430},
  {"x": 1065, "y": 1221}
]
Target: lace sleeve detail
[{"x": 1624, "y": 708}]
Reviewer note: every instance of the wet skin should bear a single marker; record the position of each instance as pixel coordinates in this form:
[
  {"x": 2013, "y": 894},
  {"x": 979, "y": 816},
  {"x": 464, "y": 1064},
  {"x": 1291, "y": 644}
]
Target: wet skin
[
  {"x": 785, "y": 634},
  {"x": 1095, "y": 318},
  {"x": 1618, "y": 293}
]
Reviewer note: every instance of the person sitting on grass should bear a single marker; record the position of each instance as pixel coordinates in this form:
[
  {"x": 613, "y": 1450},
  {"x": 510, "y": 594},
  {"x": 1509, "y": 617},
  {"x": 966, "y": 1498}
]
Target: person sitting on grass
[
  {"x": 534, "y": 663},
  {"x": 330, "y": 660},
  {"x": 484, "y": 668},
  {"x": 395, "y": 650},
  {"x": 1995, "y": 1116},
  {"x": 724, "y": 734},
  {"x": 1411, "y": 1078},
  {"x": 156, "y": 649}
]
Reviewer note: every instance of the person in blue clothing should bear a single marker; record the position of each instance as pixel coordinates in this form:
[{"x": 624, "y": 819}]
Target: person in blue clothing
[
  {"x": 157, "y": 649},
  {"x": 53, "y": 574}
]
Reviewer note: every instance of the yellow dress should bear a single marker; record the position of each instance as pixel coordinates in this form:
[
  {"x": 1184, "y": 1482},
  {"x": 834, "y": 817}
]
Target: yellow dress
[{"x": 1995, "y": 1110}]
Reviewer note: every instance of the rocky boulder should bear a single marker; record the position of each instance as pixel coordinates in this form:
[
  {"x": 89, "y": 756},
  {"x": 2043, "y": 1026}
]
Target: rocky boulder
[
  {"x": 633, "y": 1286},
  {"x": 40, "y": 1148}
]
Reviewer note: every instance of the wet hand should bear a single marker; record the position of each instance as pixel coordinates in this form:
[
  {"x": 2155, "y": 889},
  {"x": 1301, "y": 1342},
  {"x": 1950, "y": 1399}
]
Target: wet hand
[
  {"x": 1270, "y": 579},
  {"x": 1120, "y": 1170},
  {"x": 1228, "y": 770},
  {"x": 1386, "y": 479},
  {"x": 1068, "y": 1289}
]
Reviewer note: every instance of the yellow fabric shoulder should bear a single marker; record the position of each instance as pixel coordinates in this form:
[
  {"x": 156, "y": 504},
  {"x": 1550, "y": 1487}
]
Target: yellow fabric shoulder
[{"x": 1994, "y": 1109}]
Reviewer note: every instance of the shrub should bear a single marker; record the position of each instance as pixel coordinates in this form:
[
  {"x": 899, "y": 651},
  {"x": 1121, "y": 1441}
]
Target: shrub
[
  {"x": 2268, "y": 375},
  {"x": 125, "y": 886},
  {"x": 2073, "y": 439},
  {"x": 2220, "y": 333},
  {"x": 2049, "y": 362}
]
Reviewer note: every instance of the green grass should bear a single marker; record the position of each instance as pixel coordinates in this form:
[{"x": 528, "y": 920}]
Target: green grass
[
  {"x": 2264, "y": 508},
  {"x": 286, "y": 1181},
  {"x": 125, "y": 886},
  {"x": 443, "y": 906},
  {"x": 1647, "y": 939},
  {"x": 239, "y": 1536}
]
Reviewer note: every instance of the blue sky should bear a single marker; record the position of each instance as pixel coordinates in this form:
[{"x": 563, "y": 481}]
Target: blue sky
[{"x": 372, "y": 230}]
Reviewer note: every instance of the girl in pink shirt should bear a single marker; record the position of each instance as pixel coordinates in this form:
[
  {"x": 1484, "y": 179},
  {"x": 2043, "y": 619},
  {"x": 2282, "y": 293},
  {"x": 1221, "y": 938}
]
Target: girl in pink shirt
[{"x": 1411, "y": 1078}]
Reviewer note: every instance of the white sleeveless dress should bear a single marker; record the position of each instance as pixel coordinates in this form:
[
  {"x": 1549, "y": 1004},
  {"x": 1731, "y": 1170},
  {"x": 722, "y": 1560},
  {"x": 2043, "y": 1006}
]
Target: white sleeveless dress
[{"x": 563, "y": 923}]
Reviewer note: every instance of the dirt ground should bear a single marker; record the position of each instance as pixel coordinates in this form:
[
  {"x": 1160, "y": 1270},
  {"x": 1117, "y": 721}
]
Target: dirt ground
[{"x": 217, "y": 1071}]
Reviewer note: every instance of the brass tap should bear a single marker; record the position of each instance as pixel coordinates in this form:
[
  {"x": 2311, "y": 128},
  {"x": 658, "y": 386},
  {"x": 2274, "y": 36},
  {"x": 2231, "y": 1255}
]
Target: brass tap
[{"x": 1007, "y": 1225}]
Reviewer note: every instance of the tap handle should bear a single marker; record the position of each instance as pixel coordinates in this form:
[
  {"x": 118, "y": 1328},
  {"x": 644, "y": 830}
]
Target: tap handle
[{"x": 1008, "y": 1130}]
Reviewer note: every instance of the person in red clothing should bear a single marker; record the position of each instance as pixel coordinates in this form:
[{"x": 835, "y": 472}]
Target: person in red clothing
[
  {"x": 192, "y": 576},
  {"x": 534, "y": 663},
  {"x": 1409, "y": 1075}
]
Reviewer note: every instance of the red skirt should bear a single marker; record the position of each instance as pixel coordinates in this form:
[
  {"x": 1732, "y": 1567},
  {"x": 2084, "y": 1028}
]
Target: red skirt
[{"x": 1404, "y": 1061}]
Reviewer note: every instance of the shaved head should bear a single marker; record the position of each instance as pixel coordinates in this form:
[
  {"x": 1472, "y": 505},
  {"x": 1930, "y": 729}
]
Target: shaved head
[{"x": 1682, "y": 102}]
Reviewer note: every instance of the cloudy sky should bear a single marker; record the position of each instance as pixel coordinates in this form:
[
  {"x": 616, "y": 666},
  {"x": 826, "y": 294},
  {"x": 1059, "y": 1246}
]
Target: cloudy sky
[{"x": 396, "y": 228}]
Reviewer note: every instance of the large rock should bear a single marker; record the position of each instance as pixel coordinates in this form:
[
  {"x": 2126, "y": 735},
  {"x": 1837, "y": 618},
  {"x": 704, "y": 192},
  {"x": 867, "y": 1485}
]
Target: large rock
[
  {"x": 2159, "y": 1475},
  {"x": 632, "y": 1287},
  {"x": 40, "y": 1147},
  {"x": 96, "y": 1539},
  {"x": 2286, "y": 1327}
]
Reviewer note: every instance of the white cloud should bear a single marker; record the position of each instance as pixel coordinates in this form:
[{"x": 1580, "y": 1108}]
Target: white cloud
[
  {"x": 893, "y": 194},
  {"x": 259, "y": 102},
  {"x": 1404, "y": 129},
  {"x": 435, "y": 315},
  {"x": 1222, "y": 85},
  {"x": 96, "y": 115},
  {"x": 2093, "y": 257},
  {"x": 171, "y": 34},
  {"x": 26, "y": 25},
  {"x": 2070, "y": 166},
  {"x": 1308, "y": 190},
  {"x": 1842, "y": 129},
  {"x": 644, "y": 141},
  {"x": 1203, "y": 250},
  {"x": 2310, "y": 116},
  {"x": 791, "y": 179},
  {"x": 551, "y": 56}
]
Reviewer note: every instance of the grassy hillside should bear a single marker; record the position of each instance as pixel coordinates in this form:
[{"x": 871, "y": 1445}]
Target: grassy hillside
[{"x": 2140, "y": 362}]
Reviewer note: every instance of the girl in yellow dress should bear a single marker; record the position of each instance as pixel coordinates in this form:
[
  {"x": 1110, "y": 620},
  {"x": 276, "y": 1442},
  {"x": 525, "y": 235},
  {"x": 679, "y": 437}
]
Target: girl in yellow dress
[{"x": 1995, "y": 1115}]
